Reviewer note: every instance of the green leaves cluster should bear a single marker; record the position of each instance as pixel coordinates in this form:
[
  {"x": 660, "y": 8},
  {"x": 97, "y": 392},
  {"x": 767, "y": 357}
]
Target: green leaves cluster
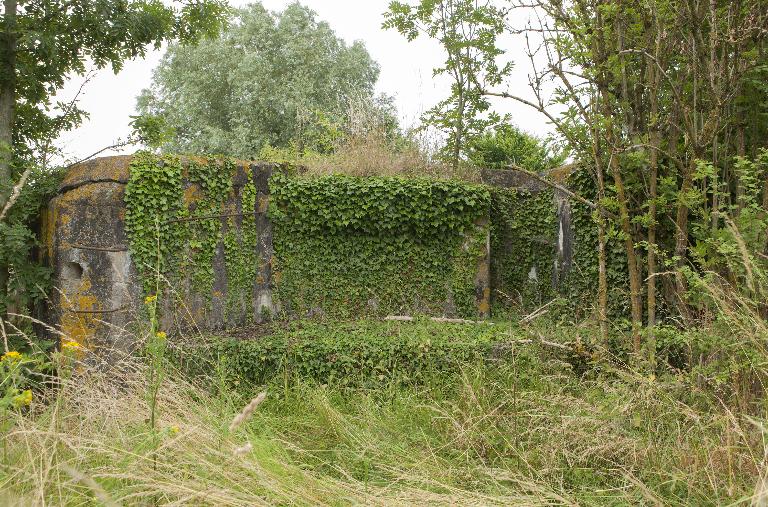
[
  {"x": 278, "y": 79},
  {"x": 347, "y": 246},
  {"x": 153, "y": 199},
  {"x": 29, "y": 279},
  {"x": 425, "y": 208},
  {"x": 181, "y": 239},
  {"x": 56, "y": 39},
  {"x": 523, "y": 235},
  {"x": 361, "y": 353},
  {"x": 468, "y": 32},
  {"x": 343, "y": 245},
  {"x": 508, "y": 145}
]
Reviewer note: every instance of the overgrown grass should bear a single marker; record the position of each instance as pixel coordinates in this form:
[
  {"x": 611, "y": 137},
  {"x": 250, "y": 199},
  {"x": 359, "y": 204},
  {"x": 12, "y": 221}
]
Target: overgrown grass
[{"x": 536, "y": 425}]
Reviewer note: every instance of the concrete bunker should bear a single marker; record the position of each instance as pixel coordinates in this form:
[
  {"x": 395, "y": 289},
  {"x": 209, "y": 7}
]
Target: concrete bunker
[{"x": 98, "y": 294}]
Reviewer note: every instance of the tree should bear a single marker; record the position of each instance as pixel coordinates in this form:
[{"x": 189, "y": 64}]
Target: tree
[
  {"x": 43, "y": 42},
  {"x": 661, "y": 98},
  {"x": 468, "y": 31},
  {"x": 270, "y": 79},
  {"x": 665, "y": 77},
  {"x": 508, "y": 145}
]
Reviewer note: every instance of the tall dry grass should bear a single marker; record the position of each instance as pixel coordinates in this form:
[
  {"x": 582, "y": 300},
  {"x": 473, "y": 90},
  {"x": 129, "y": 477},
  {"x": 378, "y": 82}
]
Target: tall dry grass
[
  {"x": 89, "y": 443},
  {"x": 534, "y": 427},
  {"x": 368, "y": 143}
]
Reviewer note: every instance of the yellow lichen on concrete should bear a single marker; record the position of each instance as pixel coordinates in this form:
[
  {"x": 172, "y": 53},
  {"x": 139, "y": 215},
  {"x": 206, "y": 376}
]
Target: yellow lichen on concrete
[
  {"x": 115, "y": 168},
  {"x": 76, "y": 322},
  {"x": 192, "y": 194},
  {"x": 64, "y": 218},
  {"x": 263, "y": 204},
  {"x": 484, "y": 305},
  {"x": 92, "y": 193},
  {"x": 561, "y": 174}
]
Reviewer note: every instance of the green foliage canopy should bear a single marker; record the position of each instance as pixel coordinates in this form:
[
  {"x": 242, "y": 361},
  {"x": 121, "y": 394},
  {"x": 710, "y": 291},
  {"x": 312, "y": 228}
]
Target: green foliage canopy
[
  {"x": 42, "y": 44},
  {"x": 507, "y": 145},
  {"x": 468, "y": 32},
  {"x": 269, "y": 79},
  {"x": 56, "y": 39}
]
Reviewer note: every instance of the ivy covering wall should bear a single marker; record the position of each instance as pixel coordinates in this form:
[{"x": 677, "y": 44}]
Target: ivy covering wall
[
  {"x": 523, "y": 235},
  {"x": 192, "y": 233},
  {"x": 343, "y": 246},
  {"x": 347, "y": 246},
  {"x": 580, "y": 288},
  {"x": 524, "y": 251}
]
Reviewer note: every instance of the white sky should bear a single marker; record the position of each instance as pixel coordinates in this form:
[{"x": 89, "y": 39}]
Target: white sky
[{"x": 406, "y": 73}]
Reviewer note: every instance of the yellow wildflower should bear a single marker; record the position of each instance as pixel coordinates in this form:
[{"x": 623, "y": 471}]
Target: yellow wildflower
[
  {"x": 161, "y": 335},
  {"x": 173, "y": 430},
  {"x": 150, "y": 299},
  {"x": 11, "y": 356},
  {"x": 23, "y": 400},
  {"x": 70, "y": 344}
]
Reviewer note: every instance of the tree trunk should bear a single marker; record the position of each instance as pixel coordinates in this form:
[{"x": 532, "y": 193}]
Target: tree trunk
[
  {"x": 602, "y": 271},
  {"x": 635, "y": 286},
  {"x": 741, "y": 151},
  {"x": 655, "y": 140},
  {"x": 681, "y": 239},
  {"x": 7, "y": 114},
  {"x": 602, "y": 281},
  {"x": 458, "y": 130},
  {"x": 609, "y": 115}
]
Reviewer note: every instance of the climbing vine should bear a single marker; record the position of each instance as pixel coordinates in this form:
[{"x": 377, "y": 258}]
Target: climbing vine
[
  {"x": 580, "y": 289},
  {"x": 174, "y": 219},
  {"x": 153, "y": 199},
  {"x": 209, "y": 185},
  {"x": 349, "y": 246},
  {"x": 346, "y": 246},
  {"x": 523, "y": 246},
  {"x": 524, "y": 235},
  {"x": 343, "y": 246},
  {"x": 241, "y": 263}
]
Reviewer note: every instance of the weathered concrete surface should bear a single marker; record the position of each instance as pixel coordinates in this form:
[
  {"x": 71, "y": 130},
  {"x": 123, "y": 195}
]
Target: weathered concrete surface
[
  {"x": 511, "y": 178},
  {"x": 98, "y": 298},
  {"x": 263, "y": 304},
  {"x": 97, "y": 294},
  {"x": 95, "y": 284},
  {"x": 565, "y": 238}
]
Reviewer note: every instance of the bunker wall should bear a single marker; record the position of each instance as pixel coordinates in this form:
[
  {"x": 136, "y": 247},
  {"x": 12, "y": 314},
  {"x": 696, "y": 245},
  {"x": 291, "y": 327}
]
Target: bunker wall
[{"x": 225, "y": 243}]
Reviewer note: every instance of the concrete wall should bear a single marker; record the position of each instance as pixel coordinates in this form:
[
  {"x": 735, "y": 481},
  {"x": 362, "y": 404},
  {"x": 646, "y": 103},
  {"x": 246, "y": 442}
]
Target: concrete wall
[
  {"x": 557, "y": 244},
  {"x": 97, "y": 296}
]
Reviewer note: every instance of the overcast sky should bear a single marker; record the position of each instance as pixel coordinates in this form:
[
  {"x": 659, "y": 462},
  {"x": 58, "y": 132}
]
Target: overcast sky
[{"x": 406, "y": 73}]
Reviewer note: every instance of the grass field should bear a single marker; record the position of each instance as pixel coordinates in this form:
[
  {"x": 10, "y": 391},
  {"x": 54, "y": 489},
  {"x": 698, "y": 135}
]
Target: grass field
[{"x": 535, "y": 425}]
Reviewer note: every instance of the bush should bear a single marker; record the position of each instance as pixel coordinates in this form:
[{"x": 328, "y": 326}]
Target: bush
[{"x": 356, "y": 353}]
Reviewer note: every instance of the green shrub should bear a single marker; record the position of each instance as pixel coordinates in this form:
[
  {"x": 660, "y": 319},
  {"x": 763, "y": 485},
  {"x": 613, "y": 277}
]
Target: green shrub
[{"x": 363, "y": 353}]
